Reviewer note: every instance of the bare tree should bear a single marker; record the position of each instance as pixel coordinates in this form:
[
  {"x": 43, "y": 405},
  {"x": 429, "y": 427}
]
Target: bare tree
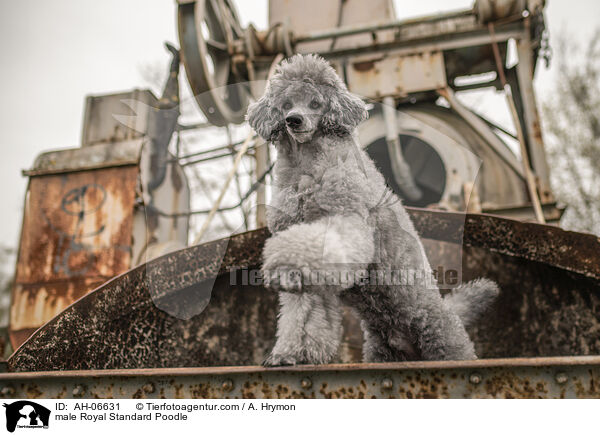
[{"x": 572, "y": 127}]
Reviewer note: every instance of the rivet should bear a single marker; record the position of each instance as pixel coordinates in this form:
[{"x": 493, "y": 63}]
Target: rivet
[
  {"x": 7, "y": 391},
  {"x": 149, "y": 388},
  {"x": 78, "y": 391},
  {"x": 227, "y": 385},
  {"x": 306, "y": 383},
  {"x": 561, "y": 377},
  {"x": 387, "y": 384},
  {"x": 475, "y": 378}
]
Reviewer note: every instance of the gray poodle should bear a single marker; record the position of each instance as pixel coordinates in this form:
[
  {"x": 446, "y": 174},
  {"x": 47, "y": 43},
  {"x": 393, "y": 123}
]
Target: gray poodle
[{"x": 341, "y": 236}]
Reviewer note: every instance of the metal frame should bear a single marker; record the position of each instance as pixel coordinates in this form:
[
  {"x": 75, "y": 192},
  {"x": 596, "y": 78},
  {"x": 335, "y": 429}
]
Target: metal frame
[
  {"x": 549, "y": 377},
  {"x": 532, "y": 127},
  {"x": 365, "y": 52}
]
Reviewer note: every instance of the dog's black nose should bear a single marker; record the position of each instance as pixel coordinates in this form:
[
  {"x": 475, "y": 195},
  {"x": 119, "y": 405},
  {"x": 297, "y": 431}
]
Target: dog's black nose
[{"x": 294, "y": 121}]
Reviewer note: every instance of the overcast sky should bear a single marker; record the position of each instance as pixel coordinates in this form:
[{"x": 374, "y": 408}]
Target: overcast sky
[{"x": 54, "y": 52}]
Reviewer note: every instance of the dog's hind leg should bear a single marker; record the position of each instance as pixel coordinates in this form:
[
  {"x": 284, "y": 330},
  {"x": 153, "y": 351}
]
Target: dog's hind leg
[
  {"x": 309, "y": 329},
  {"x": 379, "y": 346},
  {"x": 409, "y": 323},
  {"x": 437, "y": 331},
  {"x": 374, "y": 348}
]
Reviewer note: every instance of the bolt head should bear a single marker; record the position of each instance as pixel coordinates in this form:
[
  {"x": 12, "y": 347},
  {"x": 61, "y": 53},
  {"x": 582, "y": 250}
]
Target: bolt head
[
  {"x": 387, "y": 384},
  {"x": 227, "y": 385},
  {"x": 306, "y": 383},
  {"x": 475, "y": 378},
  {"x": 149, "y": 388},
  {"x": 561, "y": 378}
]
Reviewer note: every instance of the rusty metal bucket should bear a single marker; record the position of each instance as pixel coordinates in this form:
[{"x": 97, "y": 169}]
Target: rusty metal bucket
[{"x": 548, "y": 308}]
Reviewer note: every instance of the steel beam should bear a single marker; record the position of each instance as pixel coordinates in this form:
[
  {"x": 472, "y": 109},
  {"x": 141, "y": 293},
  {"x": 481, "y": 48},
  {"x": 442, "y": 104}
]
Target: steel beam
[
  {"x": 551, "y": 377},
  {"x": 533, "y": 128}
]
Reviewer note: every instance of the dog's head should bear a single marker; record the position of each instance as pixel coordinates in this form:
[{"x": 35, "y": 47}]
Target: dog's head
[{"x": 303, "y": 96}]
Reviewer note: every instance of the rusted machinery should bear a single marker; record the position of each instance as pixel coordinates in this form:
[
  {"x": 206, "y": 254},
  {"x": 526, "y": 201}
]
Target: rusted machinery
[
  {"x": 193, "y": 323},
  {"x": 451, "y": 151},
  {"x": 89, "y": 212}
]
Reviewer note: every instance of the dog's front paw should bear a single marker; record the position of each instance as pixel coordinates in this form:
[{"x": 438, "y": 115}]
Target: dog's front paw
[
  {"x": 283, "y": 279},
  {"x": 277, "y": 360},
  {"x": 286, "y": 261}
]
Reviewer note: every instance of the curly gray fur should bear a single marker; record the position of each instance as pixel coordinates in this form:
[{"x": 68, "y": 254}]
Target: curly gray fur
[{"x": 331, "y": 210}]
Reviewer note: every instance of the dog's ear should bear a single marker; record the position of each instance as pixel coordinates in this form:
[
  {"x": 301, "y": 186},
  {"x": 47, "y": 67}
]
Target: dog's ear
[
  {"x": 265, "y": 119},
  {"x": 345, "y": 112}
]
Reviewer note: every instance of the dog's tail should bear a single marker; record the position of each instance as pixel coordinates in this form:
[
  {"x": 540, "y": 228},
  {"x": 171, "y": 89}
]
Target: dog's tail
[{"x": 472, "y": 299}]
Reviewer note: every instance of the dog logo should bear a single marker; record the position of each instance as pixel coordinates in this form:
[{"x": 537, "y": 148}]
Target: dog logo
[{"x": 26, "y": 414}]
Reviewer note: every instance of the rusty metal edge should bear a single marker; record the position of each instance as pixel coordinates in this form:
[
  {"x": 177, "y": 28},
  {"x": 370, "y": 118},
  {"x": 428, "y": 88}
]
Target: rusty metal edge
[
  {"x": 96, "y": 156},
  {"x": 41, "y": 172},
  {"x": 439, "y": 225},
  {"x": 568, "y": 250},
  {"x": 494, "y": 363}
]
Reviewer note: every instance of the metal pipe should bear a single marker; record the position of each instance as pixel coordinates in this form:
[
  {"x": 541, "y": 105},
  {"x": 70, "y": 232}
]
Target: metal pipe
[
  {"x": 371, "y": 28},
  {"x": 405, "y": 48},
  {"x": 400, "y": 169},
  {"x": 162, "y": 123},
  {"x": 205, "y": 159},
  {"x": 212, "y": 150},
  {"x": 185, "y": 127}
]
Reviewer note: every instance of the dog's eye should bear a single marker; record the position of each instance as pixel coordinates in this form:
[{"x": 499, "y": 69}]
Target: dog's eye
[
  {"x": 287, "y": 105},
  {"x": 314, "y": 104}
]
